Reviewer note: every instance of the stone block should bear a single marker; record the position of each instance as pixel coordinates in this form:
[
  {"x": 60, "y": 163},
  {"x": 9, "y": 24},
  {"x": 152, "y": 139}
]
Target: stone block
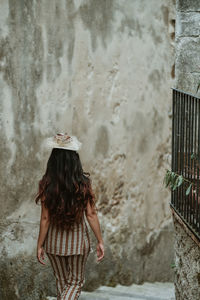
[
  {"x": 187, "y": 24},
  {"x": 188, "y": 82},
  {"x": 188, "y": 5},
  {"x": 187, "y": 58}
]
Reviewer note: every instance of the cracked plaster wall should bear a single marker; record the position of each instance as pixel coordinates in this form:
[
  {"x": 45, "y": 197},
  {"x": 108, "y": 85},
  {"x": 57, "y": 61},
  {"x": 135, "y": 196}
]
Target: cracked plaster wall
[{"x": 100, "y": 70}]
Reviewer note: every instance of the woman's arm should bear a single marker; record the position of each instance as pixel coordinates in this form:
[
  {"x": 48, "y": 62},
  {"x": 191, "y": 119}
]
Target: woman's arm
[
  {"x": 44, "y": 225},
  {"x": 95, "y": 226}
]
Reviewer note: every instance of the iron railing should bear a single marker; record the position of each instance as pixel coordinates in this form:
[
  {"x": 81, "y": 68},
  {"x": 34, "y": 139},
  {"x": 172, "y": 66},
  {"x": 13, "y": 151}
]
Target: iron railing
[{"x": 186, "y": 157}]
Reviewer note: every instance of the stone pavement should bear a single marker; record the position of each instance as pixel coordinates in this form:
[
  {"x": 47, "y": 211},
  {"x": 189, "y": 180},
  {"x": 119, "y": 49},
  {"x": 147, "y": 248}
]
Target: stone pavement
[{"x": 146, "y": 291}]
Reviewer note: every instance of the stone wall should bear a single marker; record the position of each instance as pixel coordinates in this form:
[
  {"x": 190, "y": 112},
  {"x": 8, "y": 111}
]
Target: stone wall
[
  {"x": 187, "y": 70},
  {"x": 187, "y": 45},
  {"x": 187, "y": 265},
  {"x": 101, "y": 70}
]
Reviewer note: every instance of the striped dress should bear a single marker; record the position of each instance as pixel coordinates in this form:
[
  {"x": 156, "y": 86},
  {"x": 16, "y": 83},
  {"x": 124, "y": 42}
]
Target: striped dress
[{"x": 72, "y": 242}]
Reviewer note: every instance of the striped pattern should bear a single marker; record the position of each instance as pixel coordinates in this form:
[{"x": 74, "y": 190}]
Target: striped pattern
[
  {"x": 73, "y": 242},
  {"x": 69, "y": 272}
]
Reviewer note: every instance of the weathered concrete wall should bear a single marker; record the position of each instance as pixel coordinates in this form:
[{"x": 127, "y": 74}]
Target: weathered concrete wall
[
  {"x": 187, "y": 253},
  {"x": 100, "y": 70}
]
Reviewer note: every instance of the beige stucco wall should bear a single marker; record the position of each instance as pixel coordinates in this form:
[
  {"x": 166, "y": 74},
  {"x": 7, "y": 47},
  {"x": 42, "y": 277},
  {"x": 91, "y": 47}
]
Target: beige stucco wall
[{"x": 101, "y": 70}]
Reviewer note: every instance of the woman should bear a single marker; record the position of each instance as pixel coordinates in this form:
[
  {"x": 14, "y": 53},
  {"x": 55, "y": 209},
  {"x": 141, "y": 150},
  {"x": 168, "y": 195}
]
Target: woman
[{"x": 66, "y": 200}]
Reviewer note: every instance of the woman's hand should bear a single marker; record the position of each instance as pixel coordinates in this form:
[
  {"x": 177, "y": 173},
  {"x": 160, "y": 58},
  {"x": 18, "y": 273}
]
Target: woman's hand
[
  {"x": 40, "y": 255},
  {"x": 100, "y": 251}
]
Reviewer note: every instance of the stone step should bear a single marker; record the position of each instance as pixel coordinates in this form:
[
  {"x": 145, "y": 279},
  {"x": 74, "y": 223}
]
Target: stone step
[{"x": 146, "y": 291}]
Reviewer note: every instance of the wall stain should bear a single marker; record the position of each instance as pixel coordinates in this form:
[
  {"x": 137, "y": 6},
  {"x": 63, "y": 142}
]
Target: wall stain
[
  {"x": 158, "y": 121},
  {"x": 165, "y": 12},
  {"x": 71, "y": 29},
  {"x": 155, "y": 79},
  {"x": 156, "y": 37},
  {"x": 173, "y": 71},
  {"x": 98, "y": 18},
  {"x": 102, "y": 142},
  {"x": 134, "y": 27}
]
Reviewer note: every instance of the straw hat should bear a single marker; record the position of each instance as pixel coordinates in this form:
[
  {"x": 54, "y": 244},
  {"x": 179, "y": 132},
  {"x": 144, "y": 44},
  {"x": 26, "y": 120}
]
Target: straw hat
[{"x": 63, "y": 141}]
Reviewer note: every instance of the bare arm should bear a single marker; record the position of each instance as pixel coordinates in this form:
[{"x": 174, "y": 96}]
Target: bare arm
[
  {"x": 95, "y": 226},
  {"x": 44, "y": 226},
  {"x": 94, "y": 222}
]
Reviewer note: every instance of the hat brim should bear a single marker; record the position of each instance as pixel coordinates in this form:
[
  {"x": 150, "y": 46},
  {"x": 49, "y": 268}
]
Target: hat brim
[{"x": 73, "y": 144}]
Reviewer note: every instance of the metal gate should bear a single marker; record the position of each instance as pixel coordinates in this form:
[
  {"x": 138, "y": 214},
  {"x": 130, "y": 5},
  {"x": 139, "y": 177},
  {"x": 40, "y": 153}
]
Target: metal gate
[{"x": 186, "y": 158}]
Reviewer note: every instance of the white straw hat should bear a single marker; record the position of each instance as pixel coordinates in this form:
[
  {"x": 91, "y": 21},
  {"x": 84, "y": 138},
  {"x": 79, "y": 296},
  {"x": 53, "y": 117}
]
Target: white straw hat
[{"x": 63, "y": 141}]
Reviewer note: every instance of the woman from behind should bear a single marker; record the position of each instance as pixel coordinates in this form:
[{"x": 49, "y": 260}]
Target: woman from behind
[{"x": 67, "y": 200}]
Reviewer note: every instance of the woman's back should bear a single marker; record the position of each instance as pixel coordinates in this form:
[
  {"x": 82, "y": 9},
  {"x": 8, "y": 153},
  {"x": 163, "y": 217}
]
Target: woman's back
[{"x": 68, "y": 242}]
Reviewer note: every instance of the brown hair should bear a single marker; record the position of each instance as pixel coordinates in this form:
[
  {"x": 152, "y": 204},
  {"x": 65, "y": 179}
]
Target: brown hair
[{"x": 65, "y": 189}]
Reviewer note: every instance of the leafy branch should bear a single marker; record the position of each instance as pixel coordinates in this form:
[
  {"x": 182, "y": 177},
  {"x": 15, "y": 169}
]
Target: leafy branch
[{"x": 174, "y": 180}]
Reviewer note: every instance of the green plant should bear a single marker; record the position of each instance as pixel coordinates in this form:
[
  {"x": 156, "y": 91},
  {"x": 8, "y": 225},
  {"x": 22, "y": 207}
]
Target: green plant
[
  {"x": 173, "y": 265},
  {"x": 175, "y": 180}
]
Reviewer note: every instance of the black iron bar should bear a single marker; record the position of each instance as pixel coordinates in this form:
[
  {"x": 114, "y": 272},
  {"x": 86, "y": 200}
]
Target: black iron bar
[
  {"x": 172, "y": 155},
  {"x": 186, "y": 155},
  {"x": 192, "y": 161},
  {"x": 195, "y": 195},
  {"x": 188, "y": 217},
  {"x": 182, "y": 152},
  {"x": 198, "y": 155},
  {"x": 185, "y": 151},
  {"x": 176, "y": 145}
]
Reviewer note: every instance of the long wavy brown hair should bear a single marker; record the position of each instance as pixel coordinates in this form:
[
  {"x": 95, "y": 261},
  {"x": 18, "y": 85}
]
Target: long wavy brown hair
[{"x": 65, "y": 189}]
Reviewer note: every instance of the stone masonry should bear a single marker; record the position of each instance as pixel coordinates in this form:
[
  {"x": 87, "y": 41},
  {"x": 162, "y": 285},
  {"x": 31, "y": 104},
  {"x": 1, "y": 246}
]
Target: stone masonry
[{"x": 187, "y": 75}]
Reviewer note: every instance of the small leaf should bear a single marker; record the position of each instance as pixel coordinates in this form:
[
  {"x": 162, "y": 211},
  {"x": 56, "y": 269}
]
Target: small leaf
[
  {"x": 173, "y": 266},
  {"x": 173, "y": 180},
  {"x": 167, "y": 178},
  {"x": 180, "y": 180},
  {"x": 188, "y": 189},
  {"x": 174, "y": 183}
]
